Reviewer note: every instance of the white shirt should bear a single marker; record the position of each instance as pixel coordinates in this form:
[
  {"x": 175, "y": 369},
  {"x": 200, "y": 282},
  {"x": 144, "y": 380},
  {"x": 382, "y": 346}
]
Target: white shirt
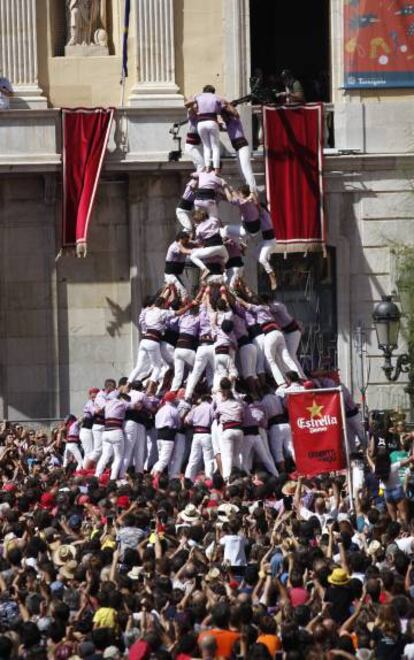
[
  {"x": 393, "y": 480},
  {"x": 406, "y": 544},
  {"x": 234, "y": 549}
]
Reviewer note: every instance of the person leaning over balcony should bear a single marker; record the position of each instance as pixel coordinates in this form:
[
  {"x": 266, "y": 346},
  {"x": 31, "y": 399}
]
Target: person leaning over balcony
[
  {"x": 208, "y": 106},
  {"x": 293, "y": 89},
  {"x": 6, "y": 91}
]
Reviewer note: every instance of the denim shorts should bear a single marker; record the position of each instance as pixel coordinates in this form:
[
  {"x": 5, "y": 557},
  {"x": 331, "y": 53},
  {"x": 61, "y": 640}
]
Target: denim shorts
[{"x": 394, "y": 495}]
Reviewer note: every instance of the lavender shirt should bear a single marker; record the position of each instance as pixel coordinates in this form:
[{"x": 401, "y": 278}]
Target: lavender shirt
[
  {"x": 167, "y": 417},
  {"x": 116, "y": 408},
  {"x": 262, "y": 313},
  {"x": 73, "y": 432},
  {"x": 89, "y": 408},
  {"x": 227, "y": 339},
  {"x": 156, "y": 318},
  {"x": 174, "y": 253},
  {"x": 230, "y": 410},
  {"x": 208, "y": 103},
  {"x": 272, "y": 405},
  {"x": 265, "y": 219},
  {"x": 207, "y": 229},
  {"x": 249, "y": 210},
  {"x": 254, "y": 415},
  {"x": 201, "y": 415},
  {"x": 281, "y": 314},
  {"x": 234, "y": 128},
  {"x": 206, "y": 327},
  {"x": 209, "y": 180},
  {"x": 189, "y": 191},
  {"x": 240, "y": 328},
  {"x": 189, "y": 324}
]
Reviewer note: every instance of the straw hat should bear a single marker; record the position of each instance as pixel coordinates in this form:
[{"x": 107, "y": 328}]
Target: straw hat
[
  {"x": 63, "y": 554},
  {"x": 213, "y": 574},
  {"x": 226, "y": 510},
  {"x": 68, "y": 570},
  {"x": 338, "y": 577},
  {"x": 374, "y": 547},
  {"x": 190, "y": 514}
]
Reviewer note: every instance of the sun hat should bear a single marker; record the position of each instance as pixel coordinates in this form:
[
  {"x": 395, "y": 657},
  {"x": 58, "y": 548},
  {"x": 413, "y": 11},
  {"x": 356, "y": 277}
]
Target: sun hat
[
  {"x": 135, "y": 572},
  {"x": 190, "y": 513},
  {"x": 373, "y": 547},
  {"x": 213, "y": 574},
  {"x": 63, "y": 554},
  {"x": 68, "y": 570},
  {"x": 338, "y": 577},
  {"x": 226, "y": 510}
]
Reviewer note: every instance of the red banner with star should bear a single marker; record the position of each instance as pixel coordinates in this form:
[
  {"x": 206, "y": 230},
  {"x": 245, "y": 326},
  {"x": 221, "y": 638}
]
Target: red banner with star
[
  {"x": 378, "y": 43},
  {"x": 317, "y": 431}
]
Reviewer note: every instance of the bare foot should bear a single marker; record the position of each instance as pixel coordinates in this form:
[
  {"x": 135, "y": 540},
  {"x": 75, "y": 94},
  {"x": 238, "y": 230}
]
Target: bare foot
[{"x": 273, "y": 281}]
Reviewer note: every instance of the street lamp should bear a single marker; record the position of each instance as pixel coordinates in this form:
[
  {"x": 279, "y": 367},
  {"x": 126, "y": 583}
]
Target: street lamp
[{"x": 386, "y": 317}]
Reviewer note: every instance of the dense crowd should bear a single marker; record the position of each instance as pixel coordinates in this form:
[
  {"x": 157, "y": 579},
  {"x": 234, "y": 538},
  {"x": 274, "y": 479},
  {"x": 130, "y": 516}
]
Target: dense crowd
[{"x": 167, "y": 519}]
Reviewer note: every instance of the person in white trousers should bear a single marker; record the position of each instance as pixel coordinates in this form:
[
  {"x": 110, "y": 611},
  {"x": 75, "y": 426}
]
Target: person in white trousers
[
  {"x": 185, "y": 206},
  {"x": 208, "y": 234},
  {"x": 134, "y": 430},
  {"x": 113, "y": 439},
  {"x": 184, "y": 353},
  {"x": 291, "y": 331},
  {"x": 230, "y": 414},
  {"x": 70, "y": 433},
  {"x": 193, "y": 147},
  {"x": 109, "y": 391},
  {"x": 167, "y": 423},
  {"x": 200, "y": 418},
  {"x": 204, "y": 358},
  {"x": 208, "y": 106},
  {"x": 85, "y": 434},
  {"x": 175, "y": 262},
  {"x": 279, "y": 433},
  {"x": 239, "y": 143},
  {"x": 255, "y": 439}
]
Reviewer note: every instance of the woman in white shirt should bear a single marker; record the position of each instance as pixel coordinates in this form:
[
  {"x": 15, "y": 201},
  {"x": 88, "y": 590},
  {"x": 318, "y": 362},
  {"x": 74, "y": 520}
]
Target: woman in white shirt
[{"x": 389, "y": 477}]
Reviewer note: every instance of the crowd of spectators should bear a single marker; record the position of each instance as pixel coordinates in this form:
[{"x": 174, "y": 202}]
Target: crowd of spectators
[{"x": 261, "y": 567}]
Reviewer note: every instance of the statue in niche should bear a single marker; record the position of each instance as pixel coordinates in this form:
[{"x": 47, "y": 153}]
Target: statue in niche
[{"x": 87, "y": 28}]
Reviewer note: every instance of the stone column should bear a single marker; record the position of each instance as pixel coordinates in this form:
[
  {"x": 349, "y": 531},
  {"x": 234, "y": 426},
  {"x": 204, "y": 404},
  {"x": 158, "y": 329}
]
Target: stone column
[
  {"x": 18, "y": 52},
  {"x": 155, "y": 86}
]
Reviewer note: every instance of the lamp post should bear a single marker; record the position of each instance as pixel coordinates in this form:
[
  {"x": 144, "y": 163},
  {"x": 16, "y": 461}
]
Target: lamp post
[{"x": 386, "y": 317}]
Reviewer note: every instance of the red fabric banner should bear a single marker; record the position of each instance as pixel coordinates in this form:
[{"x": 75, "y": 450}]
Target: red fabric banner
[
  {"x": 317, "y": 431},
  {"x": 293, "y": 140},
  {"x": 85, "y": 137}
]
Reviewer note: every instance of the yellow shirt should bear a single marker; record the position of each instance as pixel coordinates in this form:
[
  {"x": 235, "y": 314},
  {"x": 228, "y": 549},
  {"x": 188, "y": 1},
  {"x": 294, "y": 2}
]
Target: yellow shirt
[{"x": 105, "y": 617}]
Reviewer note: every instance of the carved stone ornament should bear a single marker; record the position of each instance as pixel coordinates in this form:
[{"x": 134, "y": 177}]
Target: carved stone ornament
[{"x": 86, "y": 28}]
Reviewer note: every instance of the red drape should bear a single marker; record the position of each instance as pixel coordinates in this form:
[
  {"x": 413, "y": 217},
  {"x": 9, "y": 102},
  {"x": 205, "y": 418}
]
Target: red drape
[
  {"x": 85, "y": 137},
  {"x": 293, "y": 139}
]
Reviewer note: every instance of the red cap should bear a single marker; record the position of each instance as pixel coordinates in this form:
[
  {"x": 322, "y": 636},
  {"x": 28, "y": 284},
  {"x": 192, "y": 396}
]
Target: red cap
[
  {"x": 9, "y": 487},
  {"x": 47, "y": 501},
  {"x": 123, "y": 502},
  {"x": 233, "y": 584},
  {"x": 93, "y": 390},
  {"x": 170, "y": 396},
  {"x": 309, "y": 385},
  {"x": 83, "y": 499}
]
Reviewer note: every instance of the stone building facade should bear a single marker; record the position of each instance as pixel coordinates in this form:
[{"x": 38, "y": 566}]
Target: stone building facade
[{"x": 66, "y": 324}]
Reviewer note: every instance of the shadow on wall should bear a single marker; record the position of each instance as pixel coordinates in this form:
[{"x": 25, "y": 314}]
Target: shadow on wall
[{"x": 122, "y": 316}]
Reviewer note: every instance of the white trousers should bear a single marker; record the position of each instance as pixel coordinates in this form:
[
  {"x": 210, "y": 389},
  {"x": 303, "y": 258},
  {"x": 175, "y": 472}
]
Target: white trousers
[
  {"x": 173, "y": 279},
  {"x": 256, "y": 445},
  {"x": 259, "y": 342},
  {"x": 209, "y": 133},
  {"x": 97, "y": 432},
  {"x": 195, "y": 152},
  {"x": 243, "y": 156},
  {"x": 264, "y": 252},
  {"x": 204, "y": 359},
  {"x": 233, "y": 274},
  {"x": 134, "y": 447},
  {"x": 201, "y": 450},
  {"x": 216, "y": 431},
  {"x": 72, "y": 449},
  {"x": 170, "y": 454},
  {"x": 292, "y": 340},
  {"x": 184, "y": 218},
  {"x": 167, "y": 353},
  {"x": 182, "y": 357},
  {"x": 280, "y": 440},
  {"x": 152, "y": 448},
  {"x": 231, "y": 442},
  {"x": 86, "y": 440},
  {"x": 248, "y": 360},
  {"x": 224, "y": 367},
  {"x": 112, "y": 446},
  {"x": 199, "y": 254},
  {"x": 276, "y": 353},
  {"x": 148, "y": 353}
]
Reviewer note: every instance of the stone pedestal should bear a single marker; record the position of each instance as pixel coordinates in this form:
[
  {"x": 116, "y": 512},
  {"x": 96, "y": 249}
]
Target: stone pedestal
[
  {"x": 86, "y": 50},
  {"x": 18, "y": 45},
  {"x": 155, "y": 86}
]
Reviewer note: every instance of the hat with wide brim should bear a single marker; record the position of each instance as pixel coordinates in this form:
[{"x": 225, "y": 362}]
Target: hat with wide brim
[
  {"x": 227, "y": 509},
  {"x": 190, "y": 514},
  {"x": 68, "y": 570},
  {"x": 64, "y": 553},
  {"x": 338, "y": 577}
]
